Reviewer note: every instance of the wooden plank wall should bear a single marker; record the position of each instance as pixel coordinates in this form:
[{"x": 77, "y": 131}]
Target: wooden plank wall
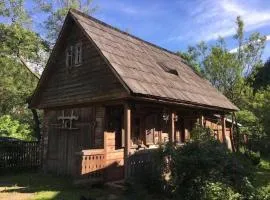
[
  {"x": 60, "y": 144},
  {"x": 90, "y": 81}
]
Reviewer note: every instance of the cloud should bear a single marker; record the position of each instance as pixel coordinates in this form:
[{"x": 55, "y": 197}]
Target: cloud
[
  {"x": 234, "y": 50},
  {"x": 211, "y": 19}
]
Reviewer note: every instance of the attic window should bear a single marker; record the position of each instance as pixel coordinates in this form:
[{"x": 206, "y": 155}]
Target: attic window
[
  {"x": 168, "y": 69},
  {"x": 74, "y": 55}
]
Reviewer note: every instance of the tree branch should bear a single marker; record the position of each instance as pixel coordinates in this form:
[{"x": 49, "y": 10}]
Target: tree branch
[{"x": 27, "y": 67}]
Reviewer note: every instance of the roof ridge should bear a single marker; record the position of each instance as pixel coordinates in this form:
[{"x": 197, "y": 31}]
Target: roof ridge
[{"x": 123, "y": 32}]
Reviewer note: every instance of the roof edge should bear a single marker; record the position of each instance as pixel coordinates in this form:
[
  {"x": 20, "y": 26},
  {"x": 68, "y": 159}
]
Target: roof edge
[
  {"x": 129, "y": 91},
  {"x": 123, "y": 32},
  {"x": 181, "y": 102}
]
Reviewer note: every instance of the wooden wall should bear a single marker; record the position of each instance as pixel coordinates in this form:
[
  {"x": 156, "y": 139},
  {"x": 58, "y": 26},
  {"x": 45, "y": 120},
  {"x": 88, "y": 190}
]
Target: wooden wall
[
  {"x": 60, "y": 143},
  {"x": 93, "y": 80}
]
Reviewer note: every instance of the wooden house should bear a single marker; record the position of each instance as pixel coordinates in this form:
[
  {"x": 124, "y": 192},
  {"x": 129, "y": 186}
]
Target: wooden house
[{"x": 107, "y": 94}]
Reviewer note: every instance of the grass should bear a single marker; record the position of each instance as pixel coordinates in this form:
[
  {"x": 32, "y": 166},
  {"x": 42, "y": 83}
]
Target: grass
[
  {"x": 37, "y": 186},
  {"x": 262, "y": 178}
]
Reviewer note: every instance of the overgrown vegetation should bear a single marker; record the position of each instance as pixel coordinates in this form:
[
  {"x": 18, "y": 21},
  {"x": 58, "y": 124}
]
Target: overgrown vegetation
[
  {"x": 204, "y": 169},
  {"x": 242, "y": 77}
]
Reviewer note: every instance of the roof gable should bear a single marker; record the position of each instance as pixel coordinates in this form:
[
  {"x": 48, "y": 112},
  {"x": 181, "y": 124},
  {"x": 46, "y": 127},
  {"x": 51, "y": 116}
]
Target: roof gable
[
  {"x": 93, "y": 80},
  {"x": 136, "y": 63}
]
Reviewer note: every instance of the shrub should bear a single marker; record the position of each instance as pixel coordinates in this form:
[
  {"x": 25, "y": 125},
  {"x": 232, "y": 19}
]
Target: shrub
[
  {"x": 254, "y": 157},
  {"x": 13, "y": 128},
  {"x": 202, "y": 169}
]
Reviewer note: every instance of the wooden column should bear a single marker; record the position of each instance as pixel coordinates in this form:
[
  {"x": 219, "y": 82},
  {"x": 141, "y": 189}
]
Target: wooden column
[
  {"x": 223, "y": 124},
  {"x": 172, "y": 128},
  {"x": 201, "y": 120},
  {"x": 127, "y": 124}
]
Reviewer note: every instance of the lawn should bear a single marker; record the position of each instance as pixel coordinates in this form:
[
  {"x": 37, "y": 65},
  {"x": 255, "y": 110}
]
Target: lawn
[
  {"x": 37, "y": 186},
  {"x": 262, "y": 178}
]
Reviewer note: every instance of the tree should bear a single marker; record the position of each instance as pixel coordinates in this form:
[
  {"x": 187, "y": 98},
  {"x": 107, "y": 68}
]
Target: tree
[
  {"x": 57, "y": 10},
  {"x": 20, "y": 47},
  {"x": 232, "y": 73},
  {"x": 261, "y": 78},
  {"x": 226, "y": 70}
]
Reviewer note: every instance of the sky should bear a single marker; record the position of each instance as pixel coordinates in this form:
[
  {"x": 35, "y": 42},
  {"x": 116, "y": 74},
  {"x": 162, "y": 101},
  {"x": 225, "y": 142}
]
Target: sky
[{"x": 176, "y": 24}]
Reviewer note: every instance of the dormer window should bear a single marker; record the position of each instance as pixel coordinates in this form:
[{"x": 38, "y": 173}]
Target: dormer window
[
  {"x": 168, "y": 69},
  {"x": 74, "y": 55}
]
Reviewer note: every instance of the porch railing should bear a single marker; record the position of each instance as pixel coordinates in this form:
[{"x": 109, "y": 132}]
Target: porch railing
[
  {"x": 90, "y": 164},
  {"x": 140, "y": 162}
]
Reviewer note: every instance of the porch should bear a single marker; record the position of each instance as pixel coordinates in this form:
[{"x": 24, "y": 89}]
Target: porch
[{"x": 131, "y": 130}]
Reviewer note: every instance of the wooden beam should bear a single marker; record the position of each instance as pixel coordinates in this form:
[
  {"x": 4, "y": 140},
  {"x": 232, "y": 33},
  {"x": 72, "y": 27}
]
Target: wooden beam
[
  {"x": 201, "y": 120},
  {"x": 223, "y": 124},
  {"x": 172, "y": 128},
  {"x": 127, "y": 122}
]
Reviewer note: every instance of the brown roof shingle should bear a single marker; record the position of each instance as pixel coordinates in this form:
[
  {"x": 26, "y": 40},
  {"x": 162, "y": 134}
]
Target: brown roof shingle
[{"x": 137, "y": 63}]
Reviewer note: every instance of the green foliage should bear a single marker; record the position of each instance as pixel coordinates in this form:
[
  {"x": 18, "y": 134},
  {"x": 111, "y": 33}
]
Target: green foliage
[
  {"x": 262, "y": 77},
  {"x": 202, "y": 169},
  {"x": 58, "y": 11},
  {"x": 253, "y": 156},
  {"x": 15, "y": 12},
  {"x": 13, "y": 128},
  {"x": 200, "y": 133},
  {"x": 189, "y": 58}
]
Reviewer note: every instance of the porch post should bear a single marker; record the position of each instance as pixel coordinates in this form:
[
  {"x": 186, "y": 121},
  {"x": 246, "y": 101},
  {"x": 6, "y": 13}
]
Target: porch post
[
  {"x": 201, "y": 120},
  {"x": 223, "y": 124},
  {"x": 172, "y": 131},
  {"x": 127, "y": 124}
]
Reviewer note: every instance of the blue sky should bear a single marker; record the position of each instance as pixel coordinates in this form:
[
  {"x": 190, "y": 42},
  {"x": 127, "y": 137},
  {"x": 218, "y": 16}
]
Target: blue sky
[{"x": 175, "y": 24}]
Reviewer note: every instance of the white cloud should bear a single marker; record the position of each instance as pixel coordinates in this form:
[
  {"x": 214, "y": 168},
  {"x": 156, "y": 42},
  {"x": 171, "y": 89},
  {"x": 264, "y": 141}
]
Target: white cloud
[
  {"x": 211, "y": 19},
  {"x": 234, "y": 50}
]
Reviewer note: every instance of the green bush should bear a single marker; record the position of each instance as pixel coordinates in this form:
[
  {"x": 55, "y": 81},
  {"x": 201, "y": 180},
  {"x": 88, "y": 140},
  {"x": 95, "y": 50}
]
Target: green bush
[
  {"x": 254, "y": 157},
  {"x": 202, "y": 169},
  {"x": 13, "y": 128}
]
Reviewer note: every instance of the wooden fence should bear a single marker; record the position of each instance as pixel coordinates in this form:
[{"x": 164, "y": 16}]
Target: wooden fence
[
  {"x": 140, "y": 162},
  {"x": 19, "y": 155}
]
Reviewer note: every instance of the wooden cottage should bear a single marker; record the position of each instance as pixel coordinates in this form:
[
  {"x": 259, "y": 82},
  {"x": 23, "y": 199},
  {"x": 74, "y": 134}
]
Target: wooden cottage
[{"x": 107, "y": 94}]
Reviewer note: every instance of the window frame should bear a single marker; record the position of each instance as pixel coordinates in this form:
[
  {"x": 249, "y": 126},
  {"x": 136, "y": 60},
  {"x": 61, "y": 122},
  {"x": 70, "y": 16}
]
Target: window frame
[
  {"x": 78, "y": 55},
  {"x": 74, "y": 55}
]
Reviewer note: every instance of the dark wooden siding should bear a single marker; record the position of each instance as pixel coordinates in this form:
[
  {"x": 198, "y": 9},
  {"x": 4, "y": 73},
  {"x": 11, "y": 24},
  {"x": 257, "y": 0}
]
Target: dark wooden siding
[
  {"x": 93, "y": 80},
  {"x": 61, "y": 144}
]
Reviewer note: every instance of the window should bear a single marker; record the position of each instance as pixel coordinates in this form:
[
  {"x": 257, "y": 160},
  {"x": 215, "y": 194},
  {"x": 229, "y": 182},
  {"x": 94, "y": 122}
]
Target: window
[
  {"x": 74, "y": 55},
  {"x": 168, "y": 69},
  {"x": 69, "y": 56},
  {"x": 78, "y": 54}
]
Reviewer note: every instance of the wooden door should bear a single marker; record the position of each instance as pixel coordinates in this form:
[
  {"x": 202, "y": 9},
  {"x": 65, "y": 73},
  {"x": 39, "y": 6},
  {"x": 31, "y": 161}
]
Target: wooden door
[{"x": 68, "y": 145}]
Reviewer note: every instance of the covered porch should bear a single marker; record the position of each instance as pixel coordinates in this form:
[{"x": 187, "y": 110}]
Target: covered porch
[{"x": 136, "y": 126}]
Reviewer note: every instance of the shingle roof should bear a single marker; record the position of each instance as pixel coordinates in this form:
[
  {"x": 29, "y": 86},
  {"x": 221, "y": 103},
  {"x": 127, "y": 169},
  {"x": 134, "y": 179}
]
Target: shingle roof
[{"x": 138, "y": 64}]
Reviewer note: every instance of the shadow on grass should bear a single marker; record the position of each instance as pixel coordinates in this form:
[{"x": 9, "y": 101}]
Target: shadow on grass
[
  {"x": 49, "y": 187},
  {"x": 262, "y": 178}
]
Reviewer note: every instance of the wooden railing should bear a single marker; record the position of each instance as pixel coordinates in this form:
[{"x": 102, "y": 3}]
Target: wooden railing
[
  {"x": 90, "y": 164},
  {"x": 140, "y": 162}
]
